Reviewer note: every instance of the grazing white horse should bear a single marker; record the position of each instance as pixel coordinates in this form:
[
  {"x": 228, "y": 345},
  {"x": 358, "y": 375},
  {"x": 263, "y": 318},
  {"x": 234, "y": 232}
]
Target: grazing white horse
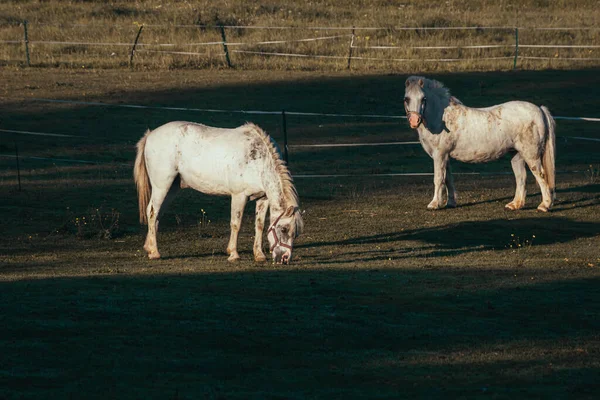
[
  {"x": 447, "y": 128},
  {"x": 242, "y": 163}
]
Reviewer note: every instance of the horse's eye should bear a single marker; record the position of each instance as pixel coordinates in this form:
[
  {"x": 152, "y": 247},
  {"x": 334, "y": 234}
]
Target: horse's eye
[
  {"x": 284, "y": 230},
  {"x": 424, "y": 100},
  {"x": 406, "y": 100}
]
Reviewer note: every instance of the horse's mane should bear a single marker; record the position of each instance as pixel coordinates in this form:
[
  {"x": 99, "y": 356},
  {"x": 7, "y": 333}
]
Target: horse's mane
[
  {"x": 433, "y": 86},
  {"x": 286, "y": 181},
  {"x": 285, "y": 177}
]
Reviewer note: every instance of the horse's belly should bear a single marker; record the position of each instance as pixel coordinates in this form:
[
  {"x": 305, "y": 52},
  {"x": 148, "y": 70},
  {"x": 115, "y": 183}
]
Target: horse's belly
[
  {"x": 218, "y": 181},
  {"x": 219, "y": 178},
  {"x": 476, "y": 157},
  {"x": 203, "y": 185},
  {"x": 480, "y": 152}
]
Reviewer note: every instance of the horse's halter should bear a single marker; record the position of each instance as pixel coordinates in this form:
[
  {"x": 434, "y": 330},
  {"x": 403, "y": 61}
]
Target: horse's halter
[{"x": 277, "y": 241}]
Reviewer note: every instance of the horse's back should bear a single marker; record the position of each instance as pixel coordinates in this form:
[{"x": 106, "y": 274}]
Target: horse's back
[
  {"x": 209, "y": 159},
  {"x": 193, "y": 137},
  {"x": 516, "y": 110},
  {"x": 485, "y": 134},
  {"x": 500, "y": 118}
]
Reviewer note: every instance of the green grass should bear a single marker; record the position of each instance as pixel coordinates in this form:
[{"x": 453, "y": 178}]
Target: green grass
[{"x": 384, "y": 299}]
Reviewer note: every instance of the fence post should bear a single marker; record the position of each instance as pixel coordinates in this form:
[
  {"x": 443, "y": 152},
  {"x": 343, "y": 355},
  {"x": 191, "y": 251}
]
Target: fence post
[
  {"x": 18, "y": 166},
  {"x": 26, "y": 43},
  {"x": 285, "y": 140},
  {"x": 225, "y": 46},
  {"x": 134, "y": 45},
  {"x": 516, "y": 48},
  {"x": 350, "y": 51}
]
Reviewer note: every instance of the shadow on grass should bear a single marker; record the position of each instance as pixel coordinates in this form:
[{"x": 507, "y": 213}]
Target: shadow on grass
[
  {"x": 472, "y": 236},
  {"x": 591, "y": 188},
  {"x": 290, "y": 333}
]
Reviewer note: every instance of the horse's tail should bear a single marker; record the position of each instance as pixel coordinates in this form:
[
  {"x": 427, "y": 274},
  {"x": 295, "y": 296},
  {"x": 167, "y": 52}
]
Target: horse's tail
[
  {"x": 142, "y": 182},
  {"x": 548, "y": 160}
]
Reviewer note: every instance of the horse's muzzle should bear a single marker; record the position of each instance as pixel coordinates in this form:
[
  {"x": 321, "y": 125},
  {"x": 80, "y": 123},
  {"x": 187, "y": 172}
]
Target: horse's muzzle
[
  {"x": 282, "y": 256},
  {"x": 414, "y": 119}
]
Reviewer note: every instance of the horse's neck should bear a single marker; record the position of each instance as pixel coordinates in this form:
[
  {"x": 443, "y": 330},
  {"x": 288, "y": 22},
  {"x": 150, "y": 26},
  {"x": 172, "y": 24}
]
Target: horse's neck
[
  {"x": 424, "y": 133},
  {"x": 274, "y": 191},
  {"x": 433, "y": 115}
]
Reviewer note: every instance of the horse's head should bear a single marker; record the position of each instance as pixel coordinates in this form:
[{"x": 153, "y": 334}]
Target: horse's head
[
  {"x": 281, "y": 234},
  {"x": 415, "y": 101}
]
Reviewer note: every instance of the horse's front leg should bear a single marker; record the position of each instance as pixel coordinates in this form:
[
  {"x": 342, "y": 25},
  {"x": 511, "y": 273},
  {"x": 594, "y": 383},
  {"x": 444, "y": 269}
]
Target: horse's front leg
[
  {"x": 440, "y": 162},
  {"x": 261, "y": 213},
  {"x": 238, "y": 202}
]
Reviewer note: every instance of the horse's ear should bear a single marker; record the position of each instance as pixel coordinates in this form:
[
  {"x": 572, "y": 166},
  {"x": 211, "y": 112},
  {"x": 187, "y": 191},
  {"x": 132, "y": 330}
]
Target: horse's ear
[
  {"x": 454, "y": 101},
  {"x": 407, "y": 83},
  {"x": 421, "y": 83},
  {"x": 290, "y": 211}
]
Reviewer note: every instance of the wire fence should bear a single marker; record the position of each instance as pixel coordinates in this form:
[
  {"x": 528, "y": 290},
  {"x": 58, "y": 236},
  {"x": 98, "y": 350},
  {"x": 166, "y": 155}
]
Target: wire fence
[
  {"x": 367, "y": 44},
  {"x": 286, "y": 144}
]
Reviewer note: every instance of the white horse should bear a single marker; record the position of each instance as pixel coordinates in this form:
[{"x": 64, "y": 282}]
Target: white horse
[
  {"x": 447, "y": 128},
  {"x": 243, "y": 163}
]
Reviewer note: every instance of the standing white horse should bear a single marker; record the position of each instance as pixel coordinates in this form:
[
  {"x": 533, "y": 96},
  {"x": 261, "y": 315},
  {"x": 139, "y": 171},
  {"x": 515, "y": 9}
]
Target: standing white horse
[
  {"x": 243, "y": 163},
  {"x": 447, "y": 128}
]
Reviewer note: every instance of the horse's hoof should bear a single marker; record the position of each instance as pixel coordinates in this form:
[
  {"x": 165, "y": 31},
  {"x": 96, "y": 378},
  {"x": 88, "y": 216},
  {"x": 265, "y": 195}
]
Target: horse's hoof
[
  {"x": 512, "y": 206},
  {"x": 543, "y": 208},
  {"x": 233, "y": 258},
  {"x": 261, "y": 258},
  {"x": 154, "y": 255},
  {"x": 450, "y": 205},
  {"x": 433, "y": 205}
]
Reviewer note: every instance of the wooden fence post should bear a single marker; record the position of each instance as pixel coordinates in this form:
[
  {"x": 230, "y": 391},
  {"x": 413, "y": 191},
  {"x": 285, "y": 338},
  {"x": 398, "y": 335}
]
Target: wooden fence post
[
  {"x": 351, "y": 47},
  {"x": 134, "y": 46},
  {"x": 285, "y": 139},
  {"x": 26, "y": 43},
  {"x": 225, "y": 45}
]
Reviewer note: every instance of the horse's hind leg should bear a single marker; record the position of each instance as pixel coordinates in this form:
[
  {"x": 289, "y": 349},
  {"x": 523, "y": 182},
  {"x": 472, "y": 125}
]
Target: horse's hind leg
[
  {"x": 259, "y": 226},
  {"x": 159, "y": 201},
  {"x": 238, "y": 202},
  {"x": 538, "y": 171},
  {"x": 518, "y": 166}
]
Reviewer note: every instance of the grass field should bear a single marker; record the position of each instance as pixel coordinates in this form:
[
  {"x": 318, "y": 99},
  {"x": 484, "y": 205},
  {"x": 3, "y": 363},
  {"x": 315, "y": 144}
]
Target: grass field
[
  {"x": 384, "y": 299},
  {"x": 88, "y": 34}
]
